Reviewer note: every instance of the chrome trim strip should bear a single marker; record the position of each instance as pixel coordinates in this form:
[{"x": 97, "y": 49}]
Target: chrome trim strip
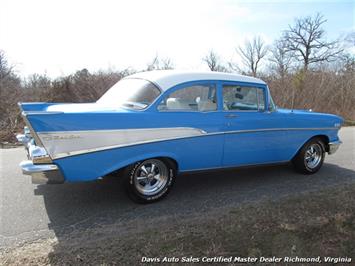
[
  {"x": 25, "y": 113},
  {"x": 20, "y": 103},
  {"x": 274, "y": 129},
  {"x": 201, "y": 130},
  {"x": 61, "y": 144},
  {"x": 116, "y": 130}
]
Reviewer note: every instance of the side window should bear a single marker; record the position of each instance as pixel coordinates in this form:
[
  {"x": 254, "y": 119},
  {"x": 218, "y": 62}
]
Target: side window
[
  {"x": 261, "y": 99},
  {"x": 192, "y": 98},
  {"x": 243, "y": 98}
]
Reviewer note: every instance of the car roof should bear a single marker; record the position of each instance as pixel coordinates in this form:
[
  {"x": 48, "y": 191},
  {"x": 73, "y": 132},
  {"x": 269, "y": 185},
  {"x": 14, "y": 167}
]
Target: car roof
[{"x": 166, "y": 79}]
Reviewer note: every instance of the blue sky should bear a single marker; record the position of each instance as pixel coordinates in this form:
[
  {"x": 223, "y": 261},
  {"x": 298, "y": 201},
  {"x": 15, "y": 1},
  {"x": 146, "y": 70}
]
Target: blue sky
[
  {"x": 59, "y": 37},
  {"x": 277, "y": 15}
]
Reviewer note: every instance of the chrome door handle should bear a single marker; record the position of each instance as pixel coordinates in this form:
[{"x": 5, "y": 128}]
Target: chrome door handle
[{"x": 231, "y": 116}]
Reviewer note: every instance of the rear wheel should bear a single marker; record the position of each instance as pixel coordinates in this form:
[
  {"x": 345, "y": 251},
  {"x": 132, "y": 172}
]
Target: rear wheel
[
  {"x": 149, "y": 180},
  {"x": 310, "y": 157}
]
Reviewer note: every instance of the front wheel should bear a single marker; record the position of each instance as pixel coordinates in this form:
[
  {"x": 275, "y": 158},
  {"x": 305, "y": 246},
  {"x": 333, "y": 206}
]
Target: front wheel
[
  {"x": 149, "y": 180},
  {"x": 310, "y": 157}
]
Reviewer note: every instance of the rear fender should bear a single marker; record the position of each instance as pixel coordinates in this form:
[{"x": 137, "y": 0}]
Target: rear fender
[
  {"x": 91, "y": 166},
  {"x": 34, "y": 106}
]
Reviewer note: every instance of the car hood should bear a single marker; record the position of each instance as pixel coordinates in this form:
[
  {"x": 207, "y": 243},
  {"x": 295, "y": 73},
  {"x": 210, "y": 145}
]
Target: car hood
[
  {"x": 314, "y": 115},
  {"x": 301, "y": 111},
  {"x": 83, "y": 107}
]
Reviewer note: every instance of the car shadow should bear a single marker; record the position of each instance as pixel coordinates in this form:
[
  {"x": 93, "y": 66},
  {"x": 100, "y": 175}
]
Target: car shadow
[{"x": 81, "y": 206}]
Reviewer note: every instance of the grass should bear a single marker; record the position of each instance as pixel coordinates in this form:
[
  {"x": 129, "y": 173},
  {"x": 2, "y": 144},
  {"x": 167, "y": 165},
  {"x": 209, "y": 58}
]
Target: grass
[{"x": 308, "y": 225}]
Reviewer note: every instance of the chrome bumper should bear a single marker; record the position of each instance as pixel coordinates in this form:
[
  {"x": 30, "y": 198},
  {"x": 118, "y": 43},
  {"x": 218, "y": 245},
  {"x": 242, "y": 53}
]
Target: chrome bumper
[
  {"x": 39, "y": 165},
  {"x": 29, "y": 168},
  {"x": 333, "y": 146},
  {"x": 42, "y": 173}
]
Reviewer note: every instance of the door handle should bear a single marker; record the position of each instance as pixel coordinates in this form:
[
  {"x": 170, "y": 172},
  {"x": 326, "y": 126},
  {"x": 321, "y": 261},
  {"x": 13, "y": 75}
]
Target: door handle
[{"x": 231, "y": 116}]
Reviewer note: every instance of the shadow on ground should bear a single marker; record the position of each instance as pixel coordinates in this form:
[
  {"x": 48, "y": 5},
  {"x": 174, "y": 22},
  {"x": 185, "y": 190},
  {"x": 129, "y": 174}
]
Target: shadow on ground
[{"x": 78, "y": 207}]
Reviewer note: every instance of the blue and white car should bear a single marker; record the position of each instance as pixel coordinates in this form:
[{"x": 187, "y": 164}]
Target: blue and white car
[{"x": 153, "y": 125}]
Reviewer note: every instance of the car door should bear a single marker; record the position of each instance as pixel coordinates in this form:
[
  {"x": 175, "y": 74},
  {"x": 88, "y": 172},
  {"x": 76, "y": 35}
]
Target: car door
[
  {"x": 250, "y": 128},
  {"x": 195, "y": 105}
]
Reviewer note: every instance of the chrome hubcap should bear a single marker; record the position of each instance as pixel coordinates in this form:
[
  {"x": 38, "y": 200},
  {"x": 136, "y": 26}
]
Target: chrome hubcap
[
  {"x": 313, "y": 156},
  {"x": 151, "y": 177}
]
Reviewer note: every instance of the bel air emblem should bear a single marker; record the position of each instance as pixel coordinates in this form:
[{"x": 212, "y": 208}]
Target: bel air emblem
[{"x": 60, "y": 137}]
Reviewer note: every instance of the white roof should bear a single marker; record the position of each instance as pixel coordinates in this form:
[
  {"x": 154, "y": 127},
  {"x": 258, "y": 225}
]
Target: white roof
[{"x": 166, "y": 79}]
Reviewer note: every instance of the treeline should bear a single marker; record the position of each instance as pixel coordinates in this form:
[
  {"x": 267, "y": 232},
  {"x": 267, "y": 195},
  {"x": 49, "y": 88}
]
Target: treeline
[{"x": 302, "y": 69}]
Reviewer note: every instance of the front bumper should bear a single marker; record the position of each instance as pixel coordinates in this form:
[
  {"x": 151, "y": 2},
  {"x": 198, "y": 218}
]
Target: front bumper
[{"x": 333, "y": 146}]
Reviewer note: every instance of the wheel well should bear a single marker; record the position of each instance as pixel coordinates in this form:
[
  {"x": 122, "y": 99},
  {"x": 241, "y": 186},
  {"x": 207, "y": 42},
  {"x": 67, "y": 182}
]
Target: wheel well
[
  {"x": 325, "y": 139},
  {"x": 171, "y": 161}
]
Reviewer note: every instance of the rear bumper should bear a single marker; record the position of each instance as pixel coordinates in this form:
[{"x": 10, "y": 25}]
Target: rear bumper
[
  {"x": 39, "y": 165},
  {"x": 42, "y": 173},
  {"x": 333, "y": 146},
  {"x": 29, "y": 168}
]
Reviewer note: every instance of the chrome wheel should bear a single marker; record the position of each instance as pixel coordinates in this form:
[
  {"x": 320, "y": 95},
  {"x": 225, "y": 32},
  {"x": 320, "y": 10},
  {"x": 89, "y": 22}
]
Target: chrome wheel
[
  {"x": 151, "y": 177},
  {"x": 313, "y": 155}
]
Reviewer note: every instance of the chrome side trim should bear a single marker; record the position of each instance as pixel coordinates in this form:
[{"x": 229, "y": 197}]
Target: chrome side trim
[
  {"x": 29, "y": 168},
  {"x": 69, "y": 143},
  {"x": 20, "y": 103},
  {"x": 121, "y": 130},
  {"x": 61, "y": 144},
  {"x": 276, "y": 129},
  {"x": 333, "y": 146},
  {"x": 25, "y": 113}
]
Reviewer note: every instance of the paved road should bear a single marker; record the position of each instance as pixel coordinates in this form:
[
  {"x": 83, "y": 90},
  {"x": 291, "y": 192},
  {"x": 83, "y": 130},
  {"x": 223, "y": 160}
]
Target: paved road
[{"x": 29, "y": 212}]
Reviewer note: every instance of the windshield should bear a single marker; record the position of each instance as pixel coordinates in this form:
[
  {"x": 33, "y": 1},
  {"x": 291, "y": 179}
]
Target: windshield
[{"x": 130, "y": 93}]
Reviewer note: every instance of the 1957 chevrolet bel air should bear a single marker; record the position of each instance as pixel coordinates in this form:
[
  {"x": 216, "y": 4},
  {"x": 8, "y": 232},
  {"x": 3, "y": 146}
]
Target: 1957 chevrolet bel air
[{"x": 152, "y": 125}]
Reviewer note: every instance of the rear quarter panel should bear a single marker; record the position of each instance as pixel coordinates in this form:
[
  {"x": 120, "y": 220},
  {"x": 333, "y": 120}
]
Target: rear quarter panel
[{"x": 204, "y": 151}]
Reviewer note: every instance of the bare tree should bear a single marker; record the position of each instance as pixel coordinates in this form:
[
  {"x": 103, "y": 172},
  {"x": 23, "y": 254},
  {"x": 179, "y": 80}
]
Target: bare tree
[
  {"x": 5, "y": 69},
  {"x": 160, "y": 64},
  {"x": 213, "y": 62},
  {"x": 252, "y": 53},
  {"x": 281, "y": 58},
  {"x": 10, "y": 92},
  {"x": 306, "y": 40}
]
